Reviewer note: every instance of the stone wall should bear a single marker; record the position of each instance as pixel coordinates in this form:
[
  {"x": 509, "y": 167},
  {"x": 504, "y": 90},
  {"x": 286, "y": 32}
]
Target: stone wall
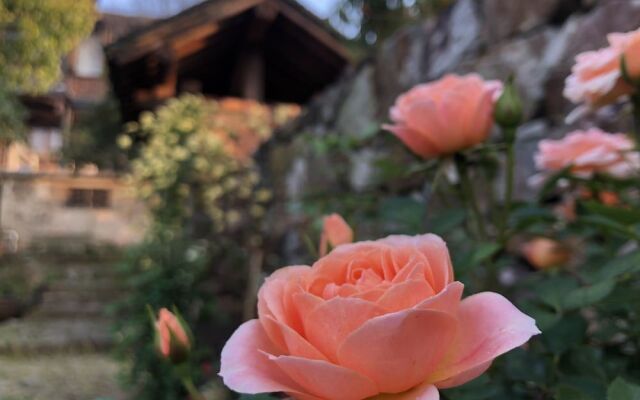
[
  {"x": 535, "y": 40},
  {"x": 36, "y": 211}
]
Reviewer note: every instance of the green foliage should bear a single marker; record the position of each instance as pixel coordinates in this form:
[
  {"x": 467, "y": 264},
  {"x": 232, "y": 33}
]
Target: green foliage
[
  {"x": 12, "y": 114},
  {"x": 34, "y": 36},
  {"x": 96, "y": 143},
  {"x": 378, "y": 19},
  {"x": 188, "y": 165},
  {"x": 165, "y": 271},
  {"x": 623, "y": 390},
  {"x": 200, "y": 186}
]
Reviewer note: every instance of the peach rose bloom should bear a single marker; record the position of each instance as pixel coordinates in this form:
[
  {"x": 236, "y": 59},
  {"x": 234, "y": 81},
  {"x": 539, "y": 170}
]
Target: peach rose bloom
[
  {"x": 596, "y": 78},
  {"x": 544, "y": 253},
  {"x": 335, "y": 231},
  {"x": 172, "y": 337},
  {"x": 369, "y": 318},
  {"x": 589, "y": 152},
  {"x": 445, "y": 116}
]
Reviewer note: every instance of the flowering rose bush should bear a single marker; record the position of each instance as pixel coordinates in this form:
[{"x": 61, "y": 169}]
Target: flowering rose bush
[
  {"x": 442, "y": 117},
  {"x": 590, "y": 152},
  {"x": 373, "y": 317}
]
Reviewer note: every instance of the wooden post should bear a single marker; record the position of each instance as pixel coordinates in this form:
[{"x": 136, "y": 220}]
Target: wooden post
[{"x": 249, "y": 76}]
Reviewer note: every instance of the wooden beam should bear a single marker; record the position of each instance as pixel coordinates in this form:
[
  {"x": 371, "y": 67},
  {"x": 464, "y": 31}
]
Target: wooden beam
[
  {"x": 160, "y": 33},
  {"x": 194, "y": 40},
  {"x": 314, "y": 29}
]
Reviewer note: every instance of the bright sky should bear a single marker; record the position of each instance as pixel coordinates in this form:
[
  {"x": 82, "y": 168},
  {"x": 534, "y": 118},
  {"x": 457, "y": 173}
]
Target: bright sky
[{"x": 322, "y": 8}]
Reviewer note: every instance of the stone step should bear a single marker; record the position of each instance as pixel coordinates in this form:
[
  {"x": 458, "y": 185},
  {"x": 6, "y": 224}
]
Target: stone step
[
  {"x": 80, "y": 295},
  {"x": 85, "y": 272},
  {"x": 70, "y": 308},
  {"x": 49, "y": 335},
  {"x": 99, "y": 284}
]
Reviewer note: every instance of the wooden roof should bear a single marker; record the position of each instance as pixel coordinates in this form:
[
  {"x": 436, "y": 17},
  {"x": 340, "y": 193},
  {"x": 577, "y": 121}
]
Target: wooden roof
[{"x": 210, "y": 43}]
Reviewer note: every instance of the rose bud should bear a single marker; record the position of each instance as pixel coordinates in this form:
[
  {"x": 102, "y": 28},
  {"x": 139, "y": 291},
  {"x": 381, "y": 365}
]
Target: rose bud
[
  {"x": 543, "y": 253},
  {"x": 609, "y": 198},
  {"x": 446, "y": 116},
  {"x": 509, "y": 113},
  {"x": 335, "y": 231},
  {"x": 173, "y": 338}
]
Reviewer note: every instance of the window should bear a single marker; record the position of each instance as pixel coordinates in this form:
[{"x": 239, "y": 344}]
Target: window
[
  {"x": 89, "y": 60},
  {"x": 45, "y": 141},
  {"x": 88, "y": 198}
]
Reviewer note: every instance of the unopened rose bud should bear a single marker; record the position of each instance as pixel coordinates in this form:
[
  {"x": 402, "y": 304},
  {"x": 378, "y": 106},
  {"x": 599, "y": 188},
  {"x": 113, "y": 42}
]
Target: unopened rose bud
[
  {"x": 544, "y": 253},
  {"x": 173, "y": 338},
  {"x": 335, "y": 231},
  {"x": 508, "y": 112}
]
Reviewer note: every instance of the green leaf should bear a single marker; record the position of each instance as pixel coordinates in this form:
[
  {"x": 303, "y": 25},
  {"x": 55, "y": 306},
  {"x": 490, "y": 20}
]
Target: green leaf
[
  {"x": 566, "y": 392},
  {"x": 403, "y": 214},
  {"x": 629, "y": 263},
  {"x": 624, "y": 216},
  {"x": 447, "y": 220},
  {"x": 553, "y": 291},
  {"x": 623, "y": 390},
  {"x": 568, "y": 333},
  {"x": 526, "y": 216},
  {"x": 586, "y": 296},
  {"x": 476, "y": 256},
  {"x": 600, "y": 222},
  {"x": 484, "y": 251}
]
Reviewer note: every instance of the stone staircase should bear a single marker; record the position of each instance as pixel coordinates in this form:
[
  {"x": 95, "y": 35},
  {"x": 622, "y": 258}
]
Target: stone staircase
[{"x": 71, "y": 315}]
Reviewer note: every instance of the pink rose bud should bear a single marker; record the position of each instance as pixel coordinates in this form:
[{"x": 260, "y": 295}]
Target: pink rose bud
[
  {"x": 384, "y": 316},
  {"x": 590, "y": 152},
  {"x": 172, "y": 337},
  {"x": 544, "y": 253},
  {"x": 335, "y": 231},
  {"x": 445, "y": 116}
]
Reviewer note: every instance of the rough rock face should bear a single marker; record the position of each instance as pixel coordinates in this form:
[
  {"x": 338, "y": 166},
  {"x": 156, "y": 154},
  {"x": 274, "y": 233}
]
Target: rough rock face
[{"x": 534, "y": 40}]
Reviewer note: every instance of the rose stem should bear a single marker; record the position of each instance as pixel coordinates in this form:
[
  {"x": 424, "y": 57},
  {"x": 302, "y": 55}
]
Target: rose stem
[
  {"x": 469, "y": 195},
  {"x": 510, "y": 134}
]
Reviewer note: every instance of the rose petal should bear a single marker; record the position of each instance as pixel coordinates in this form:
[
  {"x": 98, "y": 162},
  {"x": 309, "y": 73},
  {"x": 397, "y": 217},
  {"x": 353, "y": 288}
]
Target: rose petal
[
  {"x": 274, "y": 297},
  {"x": 414, "y": 140},
  {"x": 489, "y": 326},
  {"x": 291, "y": 340},
  {"x": 397, "y": 351},
  {"x": 436, "y": 252},
  {"x": 245, "y": 369},
  {"x": 330, "y": 323},
  {"x": 405, "y": 295},
  {"x": 426, "y": 391},
  {"x": 446, "y": 301},
  {"x": 325, "y": 380},
  {"x": 464, "y": 377}
]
